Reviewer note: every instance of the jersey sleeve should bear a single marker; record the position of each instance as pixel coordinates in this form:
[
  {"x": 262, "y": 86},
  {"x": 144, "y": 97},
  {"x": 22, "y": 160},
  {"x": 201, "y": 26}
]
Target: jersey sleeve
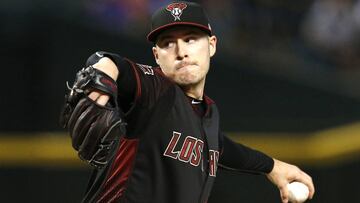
[
  {"x": 137, "y": 83},
  {"x": 238, "y": 157}
]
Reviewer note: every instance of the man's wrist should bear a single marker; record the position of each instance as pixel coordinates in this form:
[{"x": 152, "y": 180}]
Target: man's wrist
[{"x": 107, "y": 66}]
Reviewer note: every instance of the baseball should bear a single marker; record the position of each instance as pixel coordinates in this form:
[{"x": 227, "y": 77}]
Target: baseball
[{"x": 298, "y": 192}]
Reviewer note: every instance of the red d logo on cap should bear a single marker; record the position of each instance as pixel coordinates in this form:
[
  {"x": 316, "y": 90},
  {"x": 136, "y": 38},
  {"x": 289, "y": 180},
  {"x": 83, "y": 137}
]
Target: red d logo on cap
[{"x": 176, "y": 9}]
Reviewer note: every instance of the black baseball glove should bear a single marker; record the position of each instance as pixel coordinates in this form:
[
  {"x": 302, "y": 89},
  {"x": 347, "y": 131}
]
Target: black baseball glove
[{"x": 94, "y": 129}]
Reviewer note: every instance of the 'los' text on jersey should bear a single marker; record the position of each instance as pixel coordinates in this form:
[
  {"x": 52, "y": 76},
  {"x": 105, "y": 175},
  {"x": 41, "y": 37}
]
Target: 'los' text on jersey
[{"x": 191, "y": 152}]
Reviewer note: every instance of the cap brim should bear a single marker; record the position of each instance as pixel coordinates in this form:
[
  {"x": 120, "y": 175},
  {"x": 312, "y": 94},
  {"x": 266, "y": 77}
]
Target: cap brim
[{"x": 153, "y": 34}]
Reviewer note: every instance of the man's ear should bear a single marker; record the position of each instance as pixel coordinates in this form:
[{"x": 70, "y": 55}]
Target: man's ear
[
  {"x": 212, "y": 45},
  {"x": 156, "y": 56}
]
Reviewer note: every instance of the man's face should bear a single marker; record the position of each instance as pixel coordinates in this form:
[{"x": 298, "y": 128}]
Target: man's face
[{"x": 183, "y": 53}]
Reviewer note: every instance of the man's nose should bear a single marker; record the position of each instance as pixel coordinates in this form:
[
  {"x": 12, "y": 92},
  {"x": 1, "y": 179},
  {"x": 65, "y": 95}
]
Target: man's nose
[{"x": 181, "y": 49}]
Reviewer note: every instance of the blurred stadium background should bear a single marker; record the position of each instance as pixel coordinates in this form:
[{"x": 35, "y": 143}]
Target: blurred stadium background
[{"x": 285, "y": 77}]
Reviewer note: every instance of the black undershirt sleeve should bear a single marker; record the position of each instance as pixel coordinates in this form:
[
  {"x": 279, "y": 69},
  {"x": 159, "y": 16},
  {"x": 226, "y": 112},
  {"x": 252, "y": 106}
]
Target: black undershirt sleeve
[{"x": 237, "y": 157}]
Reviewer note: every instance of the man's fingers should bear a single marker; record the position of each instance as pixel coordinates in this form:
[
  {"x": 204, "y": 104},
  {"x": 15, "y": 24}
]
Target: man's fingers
[
  {"x": 309, "y": 183},
  {"x": 284, "y": 194},
  {"x": 100, "y": 98},
  {"x": 94, "y": 95}
]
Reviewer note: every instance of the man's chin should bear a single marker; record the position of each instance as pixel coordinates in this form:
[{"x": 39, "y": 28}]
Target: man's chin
[{"x": 187, "y": 82}]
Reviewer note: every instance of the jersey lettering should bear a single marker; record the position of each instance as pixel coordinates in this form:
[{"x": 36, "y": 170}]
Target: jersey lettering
[
  {"x": 187, "y": 149},
  {"x": 171, "y": 146},
  {"x": 213, "y": 162},
  {"x": 195, "y": 160},
  {"x": 191, "y": 152}
]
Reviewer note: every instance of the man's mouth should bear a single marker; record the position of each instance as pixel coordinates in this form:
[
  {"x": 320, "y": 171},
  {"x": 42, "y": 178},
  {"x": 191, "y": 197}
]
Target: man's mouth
[{"x": 184, "y": 64}]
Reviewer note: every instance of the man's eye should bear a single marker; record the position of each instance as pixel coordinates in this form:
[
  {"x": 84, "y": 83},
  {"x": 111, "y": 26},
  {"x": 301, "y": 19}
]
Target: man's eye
[
  {"x": 168, "y": 44},
  {"x": 190, "y": 40}
]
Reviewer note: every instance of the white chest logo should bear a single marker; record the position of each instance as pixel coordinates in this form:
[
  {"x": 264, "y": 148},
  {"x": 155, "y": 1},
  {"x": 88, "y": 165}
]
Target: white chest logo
[
  {"x": 176, "y": 9},
  {"x": 147, "y": 70}
]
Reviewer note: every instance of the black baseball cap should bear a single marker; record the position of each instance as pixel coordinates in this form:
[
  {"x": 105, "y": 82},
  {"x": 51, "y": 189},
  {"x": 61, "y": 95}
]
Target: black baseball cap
[{"x": 178, "y": 13}]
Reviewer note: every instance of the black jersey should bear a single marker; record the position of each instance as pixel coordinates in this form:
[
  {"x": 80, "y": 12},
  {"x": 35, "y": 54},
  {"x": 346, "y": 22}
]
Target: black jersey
[{"x": 171, "y": 150}]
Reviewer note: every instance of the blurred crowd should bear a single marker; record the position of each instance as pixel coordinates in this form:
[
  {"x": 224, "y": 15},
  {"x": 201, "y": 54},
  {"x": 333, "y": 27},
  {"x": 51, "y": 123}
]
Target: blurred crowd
[
  {"x": 327, "y": 29},
  {"x": 332, "y": 29}
]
